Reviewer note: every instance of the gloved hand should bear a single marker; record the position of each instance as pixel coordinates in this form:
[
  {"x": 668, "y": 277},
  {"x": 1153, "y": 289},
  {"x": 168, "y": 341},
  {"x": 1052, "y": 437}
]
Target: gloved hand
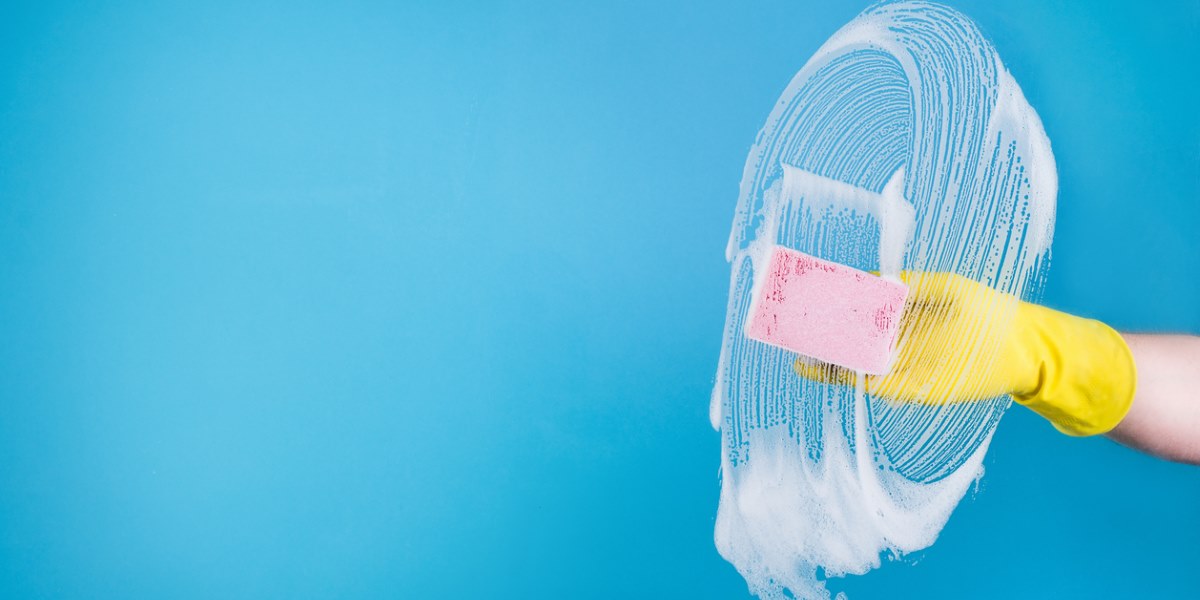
[{"x": 961, "y": 340}]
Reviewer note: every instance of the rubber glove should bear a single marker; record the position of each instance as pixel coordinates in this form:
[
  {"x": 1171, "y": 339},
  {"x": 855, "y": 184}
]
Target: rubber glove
[{"x": 961, "y": 341}]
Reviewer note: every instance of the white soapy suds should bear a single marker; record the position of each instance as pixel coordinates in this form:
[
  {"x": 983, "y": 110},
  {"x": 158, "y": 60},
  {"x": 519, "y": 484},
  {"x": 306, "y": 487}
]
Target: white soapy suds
[
  {"x": 902, "y": 144},
  {"x": 893, "y": 213}
]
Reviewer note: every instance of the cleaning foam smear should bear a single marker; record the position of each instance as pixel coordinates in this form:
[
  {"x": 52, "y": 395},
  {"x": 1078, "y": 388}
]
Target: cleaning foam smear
[{"x": 902, "y": 144}]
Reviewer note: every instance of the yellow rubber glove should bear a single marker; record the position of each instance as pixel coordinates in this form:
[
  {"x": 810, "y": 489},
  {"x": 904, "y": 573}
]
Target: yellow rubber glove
[{"x": 961, "y": 341}]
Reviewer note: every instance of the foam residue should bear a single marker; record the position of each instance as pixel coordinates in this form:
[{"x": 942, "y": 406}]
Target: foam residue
[{"x": 902, "y": 144}]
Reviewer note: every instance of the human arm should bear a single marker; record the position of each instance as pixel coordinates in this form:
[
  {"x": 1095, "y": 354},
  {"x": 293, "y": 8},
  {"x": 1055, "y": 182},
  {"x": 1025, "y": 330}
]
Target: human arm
[{"x": 1164, "y": 419}]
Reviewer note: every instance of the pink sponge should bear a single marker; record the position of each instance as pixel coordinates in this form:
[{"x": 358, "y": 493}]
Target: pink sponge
[{"x": 828, "y": 311}]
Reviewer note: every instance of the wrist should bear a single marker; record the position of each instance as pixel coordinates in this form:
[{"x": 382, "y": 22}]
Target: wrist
[{"x": 1080, "y": 372}]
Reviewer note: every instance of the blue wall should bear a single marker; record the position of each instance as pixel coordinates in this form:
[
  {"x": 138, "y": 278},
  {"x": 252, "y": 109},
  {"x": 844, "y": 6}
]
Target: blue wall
[{"x": 425, "y": 301}]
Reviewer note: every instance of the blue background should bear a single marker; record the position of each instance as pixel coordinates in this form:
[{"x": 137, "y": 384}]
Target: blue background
[{"x": 426, "y": 300}]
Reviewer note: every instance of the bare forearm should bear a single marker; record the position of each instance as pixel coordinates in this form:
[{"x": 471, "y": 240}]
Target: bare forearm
[{"x": 1165, "y": 417}]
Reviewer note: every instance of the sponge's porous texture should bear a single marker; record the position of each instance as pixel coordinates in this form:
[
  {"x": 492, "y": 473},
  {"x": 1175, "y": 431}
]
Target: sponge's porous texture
[{"x": 828, "y": 311}]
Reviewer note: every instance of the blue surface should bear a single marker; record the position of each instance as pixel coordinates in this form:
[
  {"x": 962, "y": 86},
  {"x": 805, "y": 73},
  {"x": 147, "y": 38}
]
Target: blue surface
[{"x": 426, "y": 301}]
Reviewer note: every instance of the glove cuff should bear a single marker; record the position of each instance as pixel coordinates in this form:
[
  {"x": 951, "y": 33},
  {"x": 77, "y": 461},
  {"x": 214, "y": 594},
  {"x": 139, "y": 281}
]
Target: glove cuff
[{"x": 1086, "y": 374}]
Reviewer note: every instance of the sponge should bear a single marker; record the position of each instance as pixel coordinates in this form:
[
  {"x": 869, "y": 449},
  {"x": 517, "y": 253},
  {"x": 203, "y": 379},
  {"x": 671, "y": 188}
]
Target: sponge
[{"x": 828, "y": 311}]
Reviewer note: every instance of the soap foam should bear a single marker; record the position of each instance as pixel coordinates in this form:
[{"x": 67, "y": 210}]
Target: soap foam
[{"x": 902, "y": 144}]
